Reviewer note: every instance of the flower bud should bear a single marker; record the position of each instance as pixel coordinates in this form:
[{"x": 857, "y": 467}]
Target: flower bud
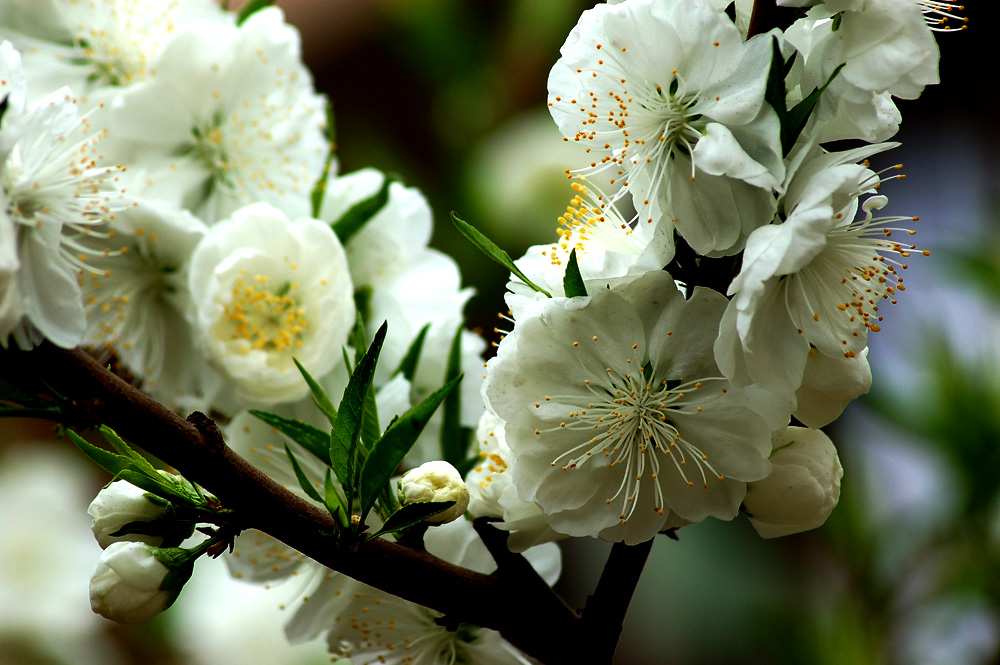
[
  {"x": 135, "y": 582},
  {"x": 802, "y": 489},
  {"x": 122, "y": 504},
  {"x": 435, "y": 481}
]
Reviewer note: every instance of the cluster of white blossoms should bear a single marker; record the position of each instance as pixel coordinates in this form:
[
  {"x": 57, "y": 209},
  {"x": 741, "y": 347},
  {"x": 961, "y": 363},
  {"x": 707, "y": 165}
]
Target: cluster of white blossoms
[
  {"x": 716, "y": 274},
  {"x": 172, "y": 203}
]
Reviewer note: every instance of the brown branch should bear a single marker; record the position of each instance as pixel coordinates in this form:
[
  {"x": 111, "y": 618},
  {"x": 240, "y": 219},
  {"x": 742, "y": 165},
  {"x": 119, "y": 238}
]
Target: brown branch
[
  {"x": 530, "y": 616},
  {"x": 767, "y": 15},
  {"x": 605, "y": 612}
]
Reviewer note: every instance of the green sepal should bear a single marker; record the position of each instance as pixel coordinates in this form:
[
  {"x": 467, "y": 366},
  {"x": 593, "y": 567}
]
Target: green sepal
[
  {"x": 453, "y": 442},
  {"x": 393, "y": 446},
  {"x": 411, "y": 514},
  {"x": 315, "y": 440},
  {"x": 408, "y": 365},
  {"x": 319, "y": 190},
  {"x": 362, "y": 212},
  {"x": 573, "y": 284},
  {"x": 300, "y": 475},
  {"x": 346, "y": 432},
  {"x": 487, "y": 247},
  {"x": 319, "y": 397},
  {"x": 251, "y": 8},
  {"x": 331, "y": 498}
]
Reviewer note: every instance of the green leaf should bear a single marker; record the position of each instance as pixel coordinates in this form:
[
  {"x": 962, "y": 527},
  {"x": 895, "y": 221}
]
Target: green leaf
[
  {"x": 110, "y": 462},
  {"x": 467, "y": 465},
  {"x": 300, "y": 475},
  {"x": 251, "y": 8},
  {"x": 319, "y": 397},
  {"x": 155, "y": 485},
  {"x": 795, "y": 120},
  {"x": 319, "y": 190},
  {"x": 393, "y": 446},
  {"x": 362, "y": 212},
  {"x": 315, "y": 440},
  {"x": 453, "y": 446},
  {"x": 572, "y": 279},
  {"x": 116, "y": 442},
  {"x": 487, "y": 247},
  {"x": 333, "y": 502},
  {"x": 347, "y": 429},
  {"x": 411, "y": 514},
  {"x": 774, "y": 94},
  {"x": 408, "y": 365}
]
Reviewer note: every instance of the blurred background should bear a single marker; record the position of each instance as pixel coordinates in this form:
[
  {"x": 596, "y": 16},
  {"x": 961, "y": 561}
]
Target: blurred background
[{"x": 450, "y": 96}]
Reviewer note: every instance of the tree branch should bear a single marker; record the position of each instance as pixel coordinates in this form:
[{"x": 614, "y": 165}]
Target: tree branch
[
  {"x": 605, "y": 612},
  {"x": 532, "y": 618},
  {"x": 767, "y": 15}
]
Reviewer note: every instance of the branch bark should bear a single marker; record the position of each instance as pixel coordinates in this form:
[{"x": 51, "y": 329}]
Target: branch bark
[{"x": 530, "y": 616}]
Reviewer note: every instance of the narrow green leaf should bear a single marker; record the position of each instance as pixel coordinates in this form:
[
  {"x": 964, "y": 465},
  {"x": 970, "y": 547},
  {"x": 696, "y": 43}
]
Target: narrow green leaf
[
  {"x": 319, "y": 190},
  {"x": 467, "y": 465},
  {"x": 110, "y": 462},
  {"x": 572, "y": 279},
  {"x": 315, "y": 440},
  {"x": 319, "y": 397},
  {"x": 453, "y": 447},
  {"x": 408, "y": 365},
  {"x": 251, "y": 8},
  {"x": 795, "y": 121},
  {"x": 411, "y": 514},
  {"x": 340, "y": 462},
  {"x": 487, "y": 247},
  {"x": 774, "y": 94},
  {"x": 333, "y": 502},
  {"x": 347, "y": 429},
  {"x": 362, "y": 212},
  {"x": 393, "y": 446},
  {"x": 300, "y": 475},
  {"x": 116, "y": 442}
]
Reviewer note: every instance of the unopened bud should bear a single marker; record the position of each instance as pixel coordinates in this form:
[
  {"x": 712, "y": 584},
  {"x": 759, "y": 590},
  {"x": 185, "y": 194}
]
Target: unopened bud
[{"x": 435, "y": 481}]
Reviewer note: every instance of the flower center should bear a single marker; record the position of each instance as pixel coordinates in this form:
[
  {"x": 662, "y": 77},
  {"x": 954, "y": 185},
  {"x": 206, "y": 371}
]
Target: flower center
[
  {"x": 270, "y": 321},
  {"x": 211, "y": 151},
  {"x": 629, "y": 423},
  {"x": 856, "y": 272}
]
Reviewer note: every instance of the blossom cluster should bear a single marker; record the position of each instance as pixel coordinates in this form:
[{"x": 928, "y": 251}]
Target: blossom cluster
[
  {"x": 173, "y": 204},
  {"x": 717, "y": 273}
]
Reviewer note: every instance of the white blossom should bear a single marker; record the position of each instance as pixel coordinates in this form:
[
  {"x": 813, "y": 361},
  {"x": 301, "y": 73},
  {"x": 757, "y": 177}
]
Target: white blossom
[
  {"x": 617, "y": 414},
  {"x": 98, "y": 46},
  {"x": 435, "y": 481},
  {"x": 802, "y": 489},
  {"x": 493, "y": 494},
  {"x": 669, "y": 100},
  {"x": 126, "y": 585},
  {"x": 231, "y": 118},
  {"x": 138, "y": 303},
  {"x": 818, "y": 280},
  {"x": 269, "y": 290},
  {"x": 56, "y": 193}
]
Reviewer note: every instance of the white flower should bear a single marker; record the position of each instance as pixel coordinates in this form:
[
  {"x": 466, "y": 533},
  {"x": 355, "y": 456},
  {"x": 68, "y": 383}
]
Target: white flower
[
  {"x": 99, "y": 45},
  {"x": 137, "y": 302},
  {"x": 829, "y": 385},
  {"x": 616, "y": 412},
  {"x": 817, "y": 280},
  {"x": 435, "y": 481},
  {"x": 55, "y": 193},
  {"x": 269, "y": 290},
  {"x": 126, "y": 585},
  {"x": 886, "y": 50},
  {"x": 493, "y": 494},
  {"x": 120, "y": 504},
  {"x": 231, "y": 118},
  {"x": 608, "y": 249},
  {"x": 802, "y": 489},
  {"x": 670, "y": 103}
]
